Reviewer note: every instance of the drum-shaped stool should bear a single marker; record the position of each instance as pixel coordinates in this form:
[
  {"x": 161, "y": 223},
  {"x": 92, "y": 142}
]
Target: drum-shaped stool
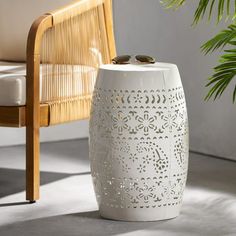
[{"x": 139, "y": 141}]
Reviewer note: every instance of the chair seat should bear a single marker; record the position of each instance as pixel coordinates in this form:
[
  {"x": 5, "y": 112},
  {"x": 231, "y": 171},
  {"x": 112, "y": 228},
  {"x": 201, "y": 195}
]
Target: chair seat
[{"x": 13, "y": 82}]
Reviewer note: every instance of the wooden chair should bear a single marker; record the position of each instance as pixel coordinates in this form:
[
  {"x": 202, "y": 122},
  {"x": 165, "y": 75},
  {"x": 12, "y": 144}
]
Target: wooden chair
[{"x": 53, "y": 105}]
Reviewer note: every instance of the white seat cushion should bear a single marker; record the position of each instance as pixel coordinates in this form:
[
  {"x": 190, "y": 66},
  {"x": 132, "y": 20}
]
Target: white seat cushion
[
  {"x": 12, "y": 84},
  {"x": 13, "y": 81}
]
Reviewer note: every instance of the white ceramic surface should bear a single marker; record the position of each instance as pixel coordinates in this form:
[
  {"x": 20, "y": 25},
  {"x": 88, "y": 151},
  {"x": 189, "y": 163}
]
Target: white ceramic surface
[{"x": 139, "y": 141}]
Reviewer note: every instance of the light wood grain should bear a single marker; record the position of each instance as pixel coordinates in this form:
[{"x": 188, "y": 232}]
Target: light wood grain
[
  {"x": 110, "y": 28},
  {"x": 33, "y": 106}
]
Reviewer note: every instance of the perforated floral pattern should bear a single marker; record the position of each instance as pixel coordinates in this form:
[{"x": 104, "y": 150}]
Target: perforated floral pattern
[{"x": 143, "y": 132}]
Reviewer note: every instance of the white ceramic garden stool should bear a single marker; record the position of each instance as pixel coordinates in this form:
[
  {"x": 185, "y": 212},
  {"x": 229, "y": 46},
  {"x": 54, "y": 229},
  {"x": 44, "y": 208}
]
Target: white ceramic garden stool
[{"x": 139, "y": 141}]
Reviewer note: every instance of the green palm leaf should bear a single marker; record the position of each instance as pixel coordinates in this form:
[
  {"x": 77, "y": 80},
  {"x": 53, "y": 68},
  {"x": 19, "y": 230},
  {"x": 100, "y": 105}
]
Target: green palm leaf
[
  {"x": 220, "y": 40},
  {"x": 225, "y": 72},
  {"x": 220, "y": 7},
  {"x": 173, "y": 3}
]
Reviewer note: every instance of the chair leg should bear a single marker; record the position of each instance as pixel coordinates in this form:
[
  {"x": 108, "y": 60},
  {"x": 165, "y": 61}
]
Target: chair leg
[{"x": 32, "y": 163}]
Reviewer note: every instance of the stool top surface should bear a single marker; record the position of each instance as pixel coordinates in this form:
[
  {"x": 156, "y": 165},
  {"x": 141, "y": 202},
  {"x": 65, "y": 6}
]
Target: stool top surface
[{"x": 158, "y": 66}]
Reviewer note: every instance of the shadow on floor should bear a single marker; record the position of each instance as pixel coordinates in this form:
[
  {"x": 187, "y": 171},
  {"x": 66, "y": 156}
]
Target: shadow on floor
[
  {"x": 71, "y": 149},
  {"x": 15, "y": 204},
  {"x": 79, "y": 224},
  {"x": 214, "y": 222},
  {"x": 13, "y": 181}
]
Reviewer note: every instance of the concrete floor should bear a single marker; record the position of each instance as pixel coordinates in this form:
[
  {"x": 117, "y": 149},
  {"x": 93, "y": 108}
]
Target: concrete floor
[{"x": 68, "y": 206}]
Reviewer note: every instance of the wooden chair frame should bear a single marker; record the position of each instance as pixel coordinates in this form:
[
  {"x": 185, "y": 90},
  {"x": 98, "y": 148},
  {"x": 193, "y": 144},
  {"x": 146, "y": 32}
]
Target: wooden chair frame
[{"x": 35, "y": 115}]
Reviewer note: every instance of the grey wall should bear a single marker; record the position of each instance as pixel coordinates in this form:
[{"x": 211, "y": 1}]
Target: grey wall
[{"x": 143, "y": 26}]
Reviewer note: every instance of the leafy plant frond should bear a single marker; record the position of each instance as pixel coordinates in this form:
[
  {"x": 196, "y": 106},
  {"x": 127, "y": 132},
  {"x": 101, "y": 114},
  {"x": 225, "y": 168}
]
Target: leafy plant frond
[
  {"x": 220, "y": 40},
  {"x": 173, "y": 3},
  {"x": 207, "y": 7},
  {"x": 225, "y": 72}
]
